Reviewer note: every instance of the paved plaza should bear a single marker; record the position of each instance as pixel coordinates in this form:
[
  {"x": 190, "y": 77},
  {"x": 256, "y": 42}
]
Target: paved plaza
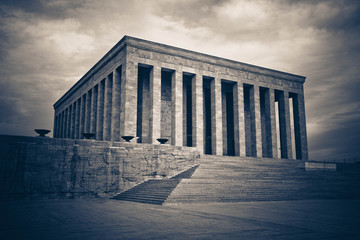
[{"x": 112, "y": 219}]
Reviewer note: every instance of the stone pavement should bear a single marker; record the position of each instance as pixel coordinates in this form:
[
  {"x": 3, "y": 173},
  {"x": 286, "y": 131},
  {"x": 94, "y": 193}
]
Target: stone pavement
[{"x": 112, "y": 219}]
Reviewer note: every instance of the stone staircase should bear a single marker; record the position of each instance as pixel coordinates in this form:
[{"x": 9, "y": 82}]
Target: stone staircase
[
  {"x": 234, "y": 179},
  {"x": 154, "y": 191}
]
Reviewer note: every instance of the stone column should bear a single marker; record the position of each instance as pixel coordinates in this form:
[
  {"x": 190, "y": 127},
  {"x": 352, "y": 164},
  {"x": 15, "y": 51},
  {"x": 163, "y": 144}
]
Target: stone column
[
  {"x": 236, "y": 119},
  {"x": 55, "y": 127},
  {"x": 266, "y": 122},
  {"x": 100, "y": 111},
  {"x": 185, "y": 99},
  {"x": 73, "y": 113},
  {"x": 239, "y": 120},
  {"x": 93, "y": 115},
  {"x": 224, "y": 122},
  {"x": 216, "y": 116},
  {"x": 61, "y": 130},
  {"x": 77, "y": 119},
  {"x": 82, "y": 115},
  {"x": 250, "y": 124},
  {"x": 285, "y": 129},
  {"x": 60, "y": 121},
  {"x": 197, "y": 112},
  {"x": 273, "y": 124},
  {"x": 88, "y": 112},
  {"x": 70, "y": 121},
  {"x": 300, "y": 127},
  {"x": 129, "y": 98},
  {"x": 107, "y": 108},
  {"x": 177, "y": 106},
  {"x": 257, "y": 121},
  {"x": 143, "y": 127},
  {"x": 288, "y": 125},
  {"x": 68, "y": 124},
  {"x": 115, "y": 115},
  {"x": 63, "y": 124},
  {"x": 67, "y": 131},
  {"x": 58, "y": 125},
  {"x": 155, "y": 104}
]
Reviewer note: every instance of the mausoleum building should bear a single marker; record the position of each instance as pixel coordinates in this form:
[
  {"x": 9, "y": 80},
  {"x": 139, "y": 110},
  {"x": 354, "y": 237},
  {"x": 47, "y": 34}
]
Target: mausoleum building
[{"x": 219, "y": 106}]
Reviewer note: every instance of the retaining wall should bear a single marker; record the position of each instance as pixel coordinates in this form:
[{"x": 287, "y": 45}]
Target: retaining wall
[{"x": 41, "y": 166}]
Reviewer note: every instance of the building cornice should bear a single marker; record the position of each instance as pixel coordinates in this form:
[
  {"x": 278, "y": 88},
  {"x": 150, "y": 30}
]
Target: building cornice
[
  {"x": 180, "y": 52},
  {"x": 214, "y": 60}
]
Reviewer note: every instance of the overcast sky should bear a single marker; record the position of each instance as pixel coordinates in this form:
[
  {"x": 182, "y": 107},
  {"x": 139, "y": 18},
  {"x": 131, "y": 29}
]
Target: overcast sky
[{"x": 46, "y": 46}]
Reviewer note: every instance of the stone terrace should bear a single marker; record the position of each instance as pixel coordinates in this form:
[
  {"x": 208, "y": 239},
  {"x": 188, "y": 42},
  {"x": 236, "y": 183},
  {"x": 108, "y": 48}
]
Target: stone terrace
[{"x": 41, "y": 166}]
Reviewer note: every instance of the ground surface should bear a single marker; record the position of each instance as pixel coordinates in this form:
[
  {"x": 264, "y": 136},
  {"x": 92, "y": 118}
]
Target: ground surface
[{"x": 112, "y": 219}]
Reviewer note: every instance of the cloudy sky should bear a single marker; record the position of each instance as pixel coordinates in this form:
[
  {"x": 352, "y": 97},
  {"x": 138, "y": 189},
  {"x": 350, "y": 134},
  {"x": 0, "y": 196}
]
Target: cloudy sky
[{"x": 46, "y": 46}]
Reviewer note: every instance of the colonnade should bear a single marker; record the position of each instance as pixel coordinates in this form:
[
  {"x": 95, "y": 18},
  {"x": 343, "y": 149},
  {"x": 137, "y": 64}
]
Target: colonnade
[{"x": 216, "y": 115}]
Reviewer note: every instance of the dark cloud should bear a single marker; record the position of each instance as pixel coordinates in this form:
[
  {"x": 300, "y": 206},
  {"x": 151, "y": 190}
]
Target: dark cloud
[
  {"x": 35, "y": 5},
  {"x": 49, "y": 9},
  {"x": 45, "y": 47},
  {"x": 339, "y": 141},
  {"x": 337, "y": 15}
]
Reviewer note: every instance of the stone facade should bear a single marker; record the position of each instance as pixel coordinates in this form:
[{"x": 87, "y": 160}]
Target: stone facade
[
  {"x": 41, "y": 166},
  {"x": 221, "y": 107}
]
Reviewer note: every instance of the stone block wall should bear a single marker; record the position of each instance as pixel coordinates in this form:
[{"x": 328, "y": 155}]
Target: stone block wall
[{"x": 47, "y": 167}]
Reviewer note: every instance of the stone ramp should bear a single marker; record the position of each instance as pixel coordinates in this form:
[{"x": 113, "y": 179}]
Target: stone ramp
[
  {"x": 154, "y": 191},
  {"x": 234, "y": 179}
]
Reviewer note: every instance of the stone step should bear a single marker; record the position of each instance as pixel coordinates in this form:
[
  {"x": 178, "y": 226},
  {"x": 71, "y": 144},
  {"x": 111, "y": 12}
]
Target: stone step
[
  {"x": 146, "y": 193},
  {"x": 144, "y": 197},
  {"x": 186, "y": 174},
  {"x": 157, "y": 202},
  {"x": 219, "y": 179},
  {"x": 154, "y": 191}
]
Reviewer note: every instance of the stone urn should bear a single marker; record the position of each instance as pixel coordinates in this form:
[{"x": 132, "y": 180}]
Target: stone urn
[
  {"x": 42, "y": 132},
  {"x": 88, "y": 135},
  {"x": 127, "y": 138},
  {"x": 162, "y": 140}
]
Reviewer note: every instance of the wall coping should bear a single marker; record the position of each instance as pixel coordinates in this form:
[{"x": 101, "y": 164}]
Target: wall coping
[{"x": 91, "y": 143}]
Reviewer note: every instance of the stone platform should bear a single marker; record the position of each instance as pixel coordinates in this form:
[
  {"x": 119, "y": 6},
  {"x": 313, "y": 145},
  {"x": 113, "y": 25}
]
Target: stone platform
[{"x": 36, "y": 167}]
